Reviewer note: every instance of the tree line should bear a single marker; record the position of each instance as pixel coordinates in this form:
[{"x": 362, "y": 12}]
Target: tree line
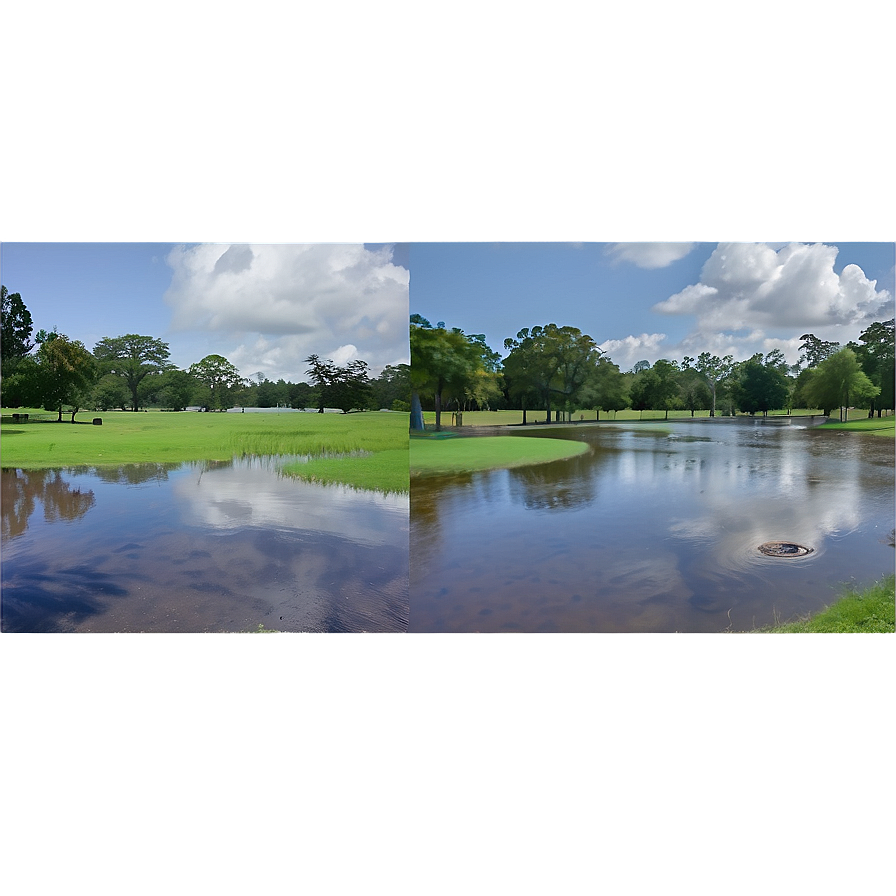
[
  {"x": 560, "y": 370},
  {"x": 133, "y": 371}
]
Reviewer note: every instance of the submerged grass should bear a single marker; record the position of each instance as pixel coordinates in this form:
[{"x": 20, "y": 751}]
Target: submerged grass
[
  {"x": 438, "y": 456},
  {"x": 870, "y": 610},
  {"x": 159, "y": 437}
]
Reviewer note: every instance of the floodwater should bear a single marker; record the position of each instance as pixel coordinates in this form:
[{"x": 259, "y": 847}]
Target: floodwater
[
  {"x": 201, "y": 547},
  {"x": 656, "y": 529}
]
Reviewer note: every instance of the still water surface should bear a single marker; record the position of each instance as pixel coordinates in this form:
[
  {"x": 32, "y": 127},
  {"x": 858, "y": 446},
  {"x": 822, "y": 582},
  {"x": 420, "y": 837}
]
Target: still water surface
[
  {"x": 200, "y": 547},
  {"x": 656, "y": 529}
]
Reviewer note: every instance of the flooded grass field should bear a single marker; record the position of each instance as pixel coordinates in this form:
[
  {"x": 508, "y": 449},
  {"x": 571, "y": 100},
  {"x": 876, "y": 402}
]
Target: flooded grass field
[
  {"x": 199, "y": 547},
  {"x": 656, "y": 529}
]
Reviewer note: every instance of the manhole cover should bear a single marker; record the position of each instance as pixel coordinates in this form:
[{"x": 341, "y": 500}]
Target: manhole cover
[{"x": 784, "y": 549}]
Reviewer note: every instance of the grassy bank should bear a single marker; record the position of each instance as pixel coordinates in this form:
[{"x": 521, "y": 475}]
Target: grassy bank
[
  {"x": 160, "y": 437},
  {"x": 882, "y": 426},
  {"x": 510, "y": 417},
  {"x": 440, "y": 456},
  {"x": 870, "y": 610}
]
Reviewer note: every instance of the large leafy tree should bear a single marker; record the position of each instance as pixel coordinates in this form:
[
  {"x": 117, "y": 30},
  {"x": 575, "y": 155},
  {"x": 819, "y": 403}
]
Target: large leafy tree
[
  {"x": 554, "y": 362},
  {"x": 875, "y": 353},
  {"x": 345, "y": 387},
  {"x": 605, "y": 389},
  {"x": 443, "y": 362},
  {"x": 839, "y": 382},
  {"x": 65, "y": 372},
  {"x": 657, "y": 388},
  {"x": 15, "y": 326},
  {"x": 219, "y": 377},
  {"x": 760, "y": 386},
  {"x": 133, "y": 358}
]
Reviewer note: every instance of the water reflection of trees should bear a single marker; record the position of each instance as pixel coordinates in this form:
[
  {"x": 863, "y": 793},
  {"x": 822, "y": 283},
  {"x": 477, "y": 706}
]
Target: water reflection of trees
[
  {"x": 22, "y": 490},
  {"x": 134, "y": 474},
  {"x": 563, "y": 485}
]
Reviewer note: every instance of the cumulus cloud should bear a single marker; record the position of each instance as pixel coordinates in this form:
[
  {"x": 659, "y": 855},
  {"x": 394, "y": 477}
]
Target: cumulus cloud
[
  {"x": 270, "y": 306},
  {"x": 753, "y": 286},
  {"x": 649, "y": 255},
  {"x": 628, "y": 351}
]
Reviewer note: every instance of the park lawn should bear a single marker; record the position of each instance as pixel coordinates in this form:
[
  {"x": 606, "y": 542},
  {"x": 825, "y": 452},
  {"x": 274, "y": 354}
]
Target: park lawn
[
  {"x": 879, "y": 426},
  {"x": 168, "y": 437},
  {"x": 871, "y": 610},
  {"x": 431, "y": 457}
]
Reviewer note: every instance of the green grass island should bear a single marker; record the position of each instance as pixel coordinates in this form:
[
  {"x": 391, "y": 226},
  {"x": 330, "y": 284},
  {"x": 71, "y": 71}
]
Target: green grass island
[{"x": 434, "y": 456}]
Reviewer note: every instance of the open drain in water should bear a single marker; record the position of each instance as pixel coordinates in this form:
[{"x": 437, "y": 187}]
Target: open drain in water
[{"x": 784, "y": 549}]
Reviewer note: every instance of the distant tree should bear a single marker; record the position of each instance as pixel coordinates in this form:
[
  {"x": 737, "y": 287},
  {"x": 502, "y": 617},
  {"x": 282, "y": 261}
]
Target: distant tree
[
  {"x": 110, "y": 392},
  {"x": 15, "y": 326},
  {"x": 66, "y": 371},
  {"x": 346, "y": 388},
  {"x": 605, "y": 389},
  {"x": 133, "y": 358},
  {"x": 393, "y": 384},
  {"x": 839, "y": 381},
  {"x": 219, "y": 377},
  {"x": 714, "y": 371},
  {"x": 640, "y": 366},
  {"x": 815, "y": 350},
  {"x": 176, "y": 389},
  {"x": 760, "y": 387},
  {"x": 875, "y": 353},
  {"x": 694, "y": 391},
  {"x": 302, "y": 395}
]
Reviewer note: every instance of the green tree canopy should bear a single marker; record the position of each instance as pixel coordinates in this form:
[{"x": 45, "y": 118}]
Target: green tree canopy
[
  {"x": 760, "y": 387},
  {"x": 442, "y": 362},
  {"x": 219, "y": 377},
  {"x": 133, "y": 358},
  {"x": 839, "y": 382},
  {"x": 66, "y": 371},
  {"x": 15, "y": 326}
]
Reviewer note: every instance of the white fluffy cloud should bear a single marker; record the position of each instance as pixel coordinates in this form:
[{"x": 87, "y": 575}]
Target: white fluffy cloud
[
  {"x": 628, "y": 351},
  {"x": 649, "y": 255},
  {"x": 752, "y": 286},
  {"x": 273, "y": 305}
]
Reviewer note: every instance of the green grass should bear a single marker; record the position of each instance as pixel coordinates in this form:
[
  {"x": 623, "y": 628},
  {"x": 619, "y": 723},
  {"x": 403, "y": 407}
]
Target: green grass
[
  {"x": 870, "y": 610},
  {"x": 439, "y": 456},
  {"x": 385, "y": 471},
  {"x": 506, "y": 418},
  {"x": 158, "y": 437},
  {"x": 879, "y": 426}
]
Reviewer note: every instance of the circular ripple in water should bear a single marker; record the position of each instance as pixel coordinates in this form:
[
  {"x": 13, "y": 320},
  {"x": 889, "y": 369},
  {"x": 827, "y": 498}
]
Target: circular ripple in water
[{"x": 784, "y": 549}]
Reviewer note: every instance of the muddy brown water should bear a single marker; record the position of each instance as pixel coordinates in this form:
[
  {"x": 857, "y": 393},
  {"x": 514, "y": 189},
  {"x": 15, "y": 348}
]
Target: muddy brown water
[
  {"x": 207, "y": 547},
  {"x": 655, "y": 529}
]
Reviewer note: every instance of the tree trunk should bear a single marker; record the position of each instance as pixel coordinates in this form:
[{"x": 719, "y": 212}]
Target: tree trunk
[{"x": 416, "y": 413}]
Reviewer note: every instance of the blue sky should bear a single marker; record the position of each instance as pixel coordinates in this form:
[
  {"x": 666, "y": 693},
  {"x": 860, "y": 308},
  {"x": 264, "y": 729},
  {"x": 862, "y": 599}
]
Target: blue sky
[
  {"x": 264, "y": 307},
  {"x": 131, "y": 129},
  {"x": 652, "y": 300}
]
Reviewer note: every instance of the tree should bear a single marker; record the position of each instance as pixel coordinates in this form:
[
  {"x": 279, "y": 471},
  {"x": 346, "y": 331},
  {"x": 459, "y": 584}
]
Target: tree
[
  {"x": 345, "y": 388},
  {"x": 815, "y": 350},
  {"x": 15, "y": 326},
  {"x": 760, "y": 387},
  {"x": 219, "y": 377},
  {"x": 875, "y": 353},
  {"x": 442, "y": 361},
  {"x": 694, "y": 391},
  {"x": 393, "y": 385},
  {"x": 176, "y": 389},
  {"x": 839, "y": 381},
  {"x": 133, "y": 358},
  {"x": 714, "y": 371},
  {"x": 605, "y": 389},
  {"x": 66, "y": 370},
  {"x": 553, "y": 362}
]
